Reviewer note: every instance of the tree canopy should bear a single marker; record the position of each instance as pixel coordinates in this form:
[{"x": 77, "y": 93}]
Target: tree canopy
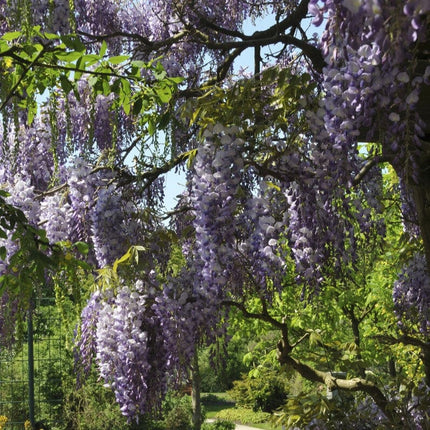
[{"x": 304, "y": 176}]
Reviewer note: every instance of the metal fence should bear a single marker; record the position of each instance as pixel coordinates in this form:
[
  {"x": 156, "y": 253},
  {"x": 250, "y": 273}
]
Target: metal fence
[{"x": 31, "y": 386}]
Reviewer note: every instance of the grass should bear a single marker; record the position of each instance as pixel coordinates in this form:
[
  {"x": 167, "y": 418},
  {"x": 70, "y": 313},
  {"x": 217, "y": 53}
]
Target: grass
[
  {"x": 221, "y": 405},
  {"x": 266, "y": 426},
  {"x": 216, "y": 402}
]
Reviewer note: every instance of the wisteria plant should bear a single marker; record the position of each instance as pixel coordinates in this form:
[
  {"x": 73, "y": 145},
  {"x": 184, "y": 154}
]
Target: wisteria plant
[{"x": 284, "y": 164}]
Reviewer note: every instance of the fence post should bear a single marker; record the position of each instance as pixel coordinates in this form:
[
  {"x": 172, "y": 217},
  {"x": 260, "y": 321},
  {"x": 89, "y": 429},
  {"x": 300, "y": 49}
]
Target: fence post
[{"x": 30, "y": 359}]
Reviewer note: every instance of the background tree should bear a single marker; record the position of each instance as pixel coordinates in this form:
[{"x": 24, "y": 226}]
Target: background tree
[{"x": 280, "y": 197}]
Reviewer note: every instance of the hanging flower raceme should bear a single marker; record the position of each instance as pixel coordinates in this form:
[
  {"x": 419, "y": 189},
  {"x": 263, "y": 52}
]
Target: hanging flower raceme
[
  {"x": 217, "y": 173},
  {"x": 370, "y": 92},
  {"x": 127, "y": 339},
  {"x": 411, "y": 294},
  {"x": 111, "y": 224},
  {"x": 259, "y": 246},
  {"x": 372, "y": 80}
]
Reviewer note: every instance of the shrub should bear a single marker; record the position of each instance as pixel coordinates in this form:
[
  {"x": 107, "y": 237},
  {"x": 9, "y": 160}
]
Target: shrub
[
  {"x": 243, "y": 415},
  {"x": 219, "y": 425},
  {"x": 93, "y": 407},
  {"x": 214, "y": 399},
  {"x": 266, "y": 393},
  {"x": 178, "y": 413}
]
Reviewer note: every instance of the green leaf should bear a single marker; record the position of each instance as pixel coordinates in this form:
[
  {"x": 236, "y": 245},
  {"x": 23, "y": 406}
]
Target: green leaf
[
  {"x": 159, "y": 72},
  {"x": 69, "y": 56},
  {"x": 176, "y": 80},
  {"x": 51, "y": 36},
  {"x": 82, "y": 247},
  {"x": 164, "y": 93},
  {"x": 89, "y": 60},
  {"x": 118, "y": 59},
  {"x": 11, "y": 35},
  {"x": 190, "y": 157},
  {"x": 73, "y": 42},
  {"x": 164, "y": 120},
  {"x": 314, "y": 338},
  {"x": 83, "y": 265},
  {"x": 139, "y": 64},
  {"x": 124, "y": 259},
  {"x": 151, "y": 126},
  {"x": 103, "y": 49},
  {"x": 66, "y": 85},
  {"x": 137, "y": 106}
]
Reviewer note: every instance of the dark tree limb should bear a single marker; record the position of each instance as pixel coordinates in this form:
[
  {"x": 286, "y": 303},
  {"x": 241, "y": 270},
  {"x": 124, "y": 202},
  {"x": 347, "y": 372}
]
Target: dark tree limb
[
  {"x": 366, "y": 168},
  {"x": 332, "y": 382},
  {"x": 263, "y": 316},
  {"x": 124, "y": 177}
]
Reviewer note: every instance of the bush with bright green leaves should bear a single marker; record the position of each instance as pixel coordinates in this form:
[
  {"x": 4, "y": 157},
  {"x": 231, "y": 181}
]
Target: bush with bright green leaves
[
  {"x": 219, "y": 425},
  {"x": 264, "y": 393},
  {"x": 178, "y": 413},
  {"x": 243, "y": 415}
]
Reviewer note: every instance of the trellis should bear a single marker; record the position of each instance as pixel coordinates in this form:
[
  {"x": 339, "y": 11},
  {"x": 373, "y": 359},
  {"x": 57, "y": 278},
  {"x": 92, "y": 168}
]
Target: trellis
[{"x": 31, "y": 375}]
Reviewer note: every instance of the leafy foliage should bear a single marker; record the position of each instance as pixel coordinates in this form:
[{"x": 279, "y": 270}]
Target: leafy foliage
[
  {"x": 284, "y": 217},
  {"x": 243, "y": 415},
  {"x": 178, "y": 413},
  {"x": 219, "y": 425},
  {"x": 266, "y": 393}
]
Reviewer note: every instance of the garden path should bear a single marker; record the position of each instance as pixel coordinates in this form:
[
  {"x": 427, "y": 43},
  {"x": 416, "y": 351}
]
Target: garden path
[
  {"x": 242, "y": 427},
  {"x": 238, "y": 426}
]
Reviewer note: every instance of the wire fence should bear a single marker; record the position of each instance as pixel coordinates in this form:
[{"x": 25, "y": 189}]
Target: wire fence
[{"x": 31, "y": 389}]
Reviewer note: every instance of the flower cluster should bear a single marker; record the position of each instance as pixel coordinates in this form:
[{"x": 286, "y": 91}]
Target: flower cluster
[
  {"x": 370, "y": 69},
  {"x": 127, "y": 338},
  {"x": 85, "y": 345},
  {"x": 109, "y": 231},
  {"x": 52, "y": 15},
  {"x": 411, "y": 294},
  {"x": 217, "y": 174},
  {"x": 81, "y": 194},
  {"x": 57, "y": 216},
  {"x": 259, "y": 246}
]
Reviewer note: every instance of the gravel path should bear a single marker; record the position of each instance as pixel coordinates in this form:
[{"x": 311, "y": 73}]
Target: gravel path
[
  {"x": 242, "y": 427},
  {"x": 238, "y": 426}
]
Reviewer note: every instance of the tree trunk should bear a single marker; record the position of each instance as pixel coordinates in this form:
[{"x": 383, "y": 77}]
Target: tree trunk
[
  {"x": 421, "y": 195},
  {"x": 426, "y": 362},
  {"x": 195, "y": 394}
]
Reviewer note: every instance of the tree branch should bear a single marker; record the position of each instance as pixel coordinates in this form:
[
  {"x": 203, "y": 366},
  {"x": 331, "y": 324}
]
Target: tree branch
[
  {"x": 125, "y": 178},
  {"x": 332, "y": 382},
  {"x": 264, "y": 316},
  {"x": 30, "y": 64},
  {"x": 365, "y": 169},
  {"x": 405, "y": 339}
]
